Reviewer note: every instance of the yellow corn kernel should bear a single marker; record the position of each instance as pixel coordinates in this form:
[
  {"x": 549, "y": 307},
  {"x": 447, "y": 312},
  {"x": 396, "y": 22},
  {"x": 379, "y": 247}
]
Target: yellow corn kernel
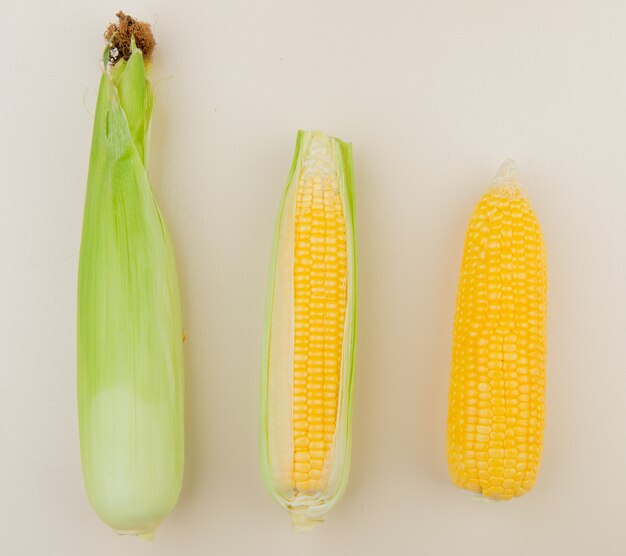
[{"x": 496, "y": 402}]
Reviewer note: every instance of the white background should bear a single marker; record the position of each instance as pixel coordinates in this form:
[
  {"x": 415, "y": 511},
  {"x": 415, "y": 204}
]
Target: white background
[{"x": 433, "y": 96}]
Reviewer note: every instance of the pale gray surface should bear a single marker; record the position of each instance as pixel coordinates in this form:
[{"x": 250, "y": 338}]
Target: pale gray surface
[{"x": 433, "y": 95}]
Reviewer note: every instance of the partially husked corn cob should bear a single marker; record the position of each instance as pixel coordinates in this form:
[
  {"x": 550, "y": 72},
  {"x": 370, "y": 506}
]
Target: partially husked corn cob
[
  {"x": 307, "y": 369},
  {"x": 496, "y": 405},
  {"x": 130, "y": 356}
]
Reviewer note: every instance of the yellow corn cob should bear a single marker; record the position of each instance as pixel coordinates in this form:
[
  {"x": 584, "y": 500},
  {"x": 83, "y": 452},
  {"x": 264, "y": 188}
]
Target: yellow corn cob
[
  {"x": 306, "y": 380},
  {"x": 496, "y": 404},
  {"x": 320, "y": 268}
]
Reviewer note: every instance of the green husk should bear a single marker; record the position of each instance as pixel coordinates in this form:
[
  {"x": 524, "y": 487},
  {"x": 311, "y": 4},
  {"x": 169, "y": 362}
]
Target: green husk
[
  {"x": 305, "y": 513},
  {"x": 130, "y": 356}
]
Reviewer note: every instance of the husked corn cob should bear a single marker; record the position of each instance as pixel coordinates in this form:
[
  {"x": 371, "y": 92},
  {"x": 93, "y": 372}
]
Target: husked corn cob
[
  {"x": 308, "y": 363},
  {"x": 496, "y": 405}
]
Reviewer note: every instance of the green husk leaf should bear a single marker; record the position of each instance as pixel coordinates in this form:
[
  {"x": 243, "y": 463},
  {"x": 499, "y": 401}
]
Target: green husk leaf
[{"x": 130, "y": 356}]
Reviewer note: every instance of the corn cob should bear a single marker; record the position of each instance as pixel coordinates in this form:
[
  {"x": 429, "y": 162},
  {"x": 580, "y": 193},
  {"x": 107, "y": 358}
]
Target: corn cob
[
  {"x": 306, "y": 382},
  {"x": 130, "y": 359},
  {"x": 496, "y": 405}
]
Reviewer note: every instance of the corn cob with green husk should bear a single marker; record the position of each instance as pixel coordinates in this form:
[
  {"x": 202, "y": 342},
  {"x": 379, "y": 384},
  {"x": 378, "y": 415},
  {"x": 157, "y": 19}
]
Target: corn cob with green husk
[
  {"x": 130, "y": 357},
  {"x": 308, "y": 363},
  {"x": 497, "y": 389}
]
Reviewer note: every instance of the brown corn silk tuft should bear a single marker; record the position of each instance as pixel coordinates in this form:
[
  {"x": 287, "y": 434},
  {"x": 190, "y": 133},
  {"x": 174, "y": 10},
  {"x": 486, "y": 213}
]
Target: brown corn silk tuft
[{"x": 119, "y": 35}]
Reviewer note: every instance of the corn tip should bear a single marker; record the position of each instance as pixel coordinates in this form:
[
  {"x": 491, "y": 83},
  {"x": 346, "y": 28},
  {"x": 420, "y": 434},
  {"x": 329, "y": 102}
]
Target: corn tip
[
  {"x": 147, "y": 536},
  {"x": 301, "y": 522},
  {"x": 507, "y": 182},
  {"x": 144, "y": 534}
]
